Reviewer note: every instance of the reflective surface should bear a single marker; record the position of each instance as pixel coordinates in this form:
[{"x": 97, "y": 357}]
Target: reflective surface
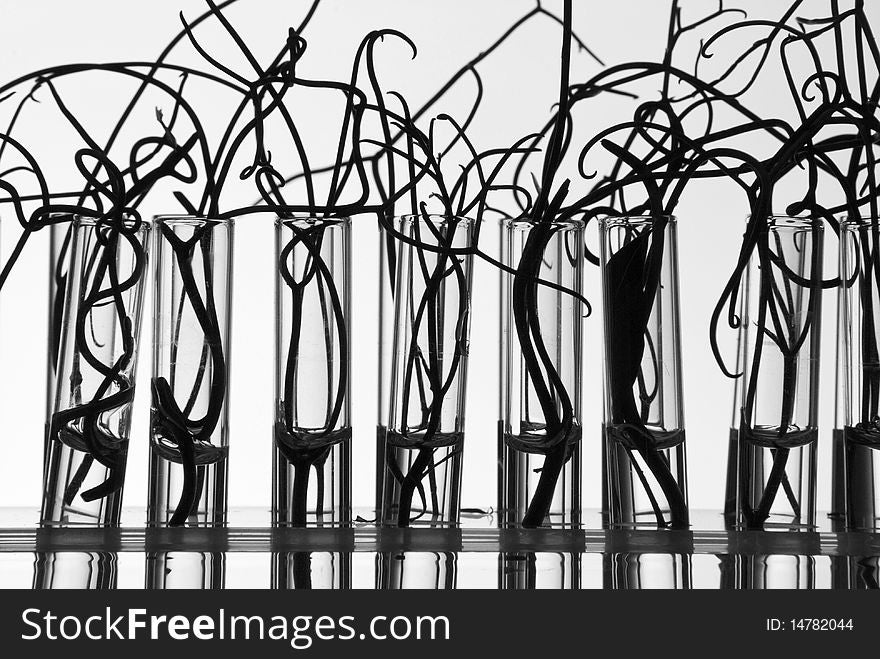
[{"x": 251, "y": 554}]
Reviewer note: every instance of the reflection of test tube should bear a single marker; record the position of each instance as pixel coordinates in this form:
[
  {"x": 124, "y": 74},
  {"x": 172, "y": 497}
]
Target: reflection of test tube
[
  {"x": 58, "y": 570},
  {"x": 416, "y": 570},
  {"x": 855, "y": 572},
  {"x": 635, "y": 571},
  {"x": 528, "y": 570},
  {"x": 169, "y": 570},
  {"x": 768, "y": 571},
  {"x": 315, "y": 570}
]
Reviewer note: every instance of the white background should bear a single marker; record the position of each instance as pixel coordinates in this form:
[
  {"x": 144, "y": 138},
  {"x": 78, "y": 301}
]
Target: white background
[{"x": 520, "y": 89}]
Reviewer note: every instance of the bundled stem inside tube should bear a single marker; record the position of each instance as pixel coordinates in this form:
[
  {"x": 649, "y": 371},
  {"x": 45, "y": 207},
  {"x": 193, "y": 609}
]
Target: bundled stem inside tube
[
  {"x": 786, "y": 329},
  {"x": 178, "y": 433},
  {"x": 84, "y": 421},
  {"x": 552, "y": 431},
  {"x": 304, "y": 444},
  {"x": 632, "y": 285},
  {"x": 430, "y": 347}
]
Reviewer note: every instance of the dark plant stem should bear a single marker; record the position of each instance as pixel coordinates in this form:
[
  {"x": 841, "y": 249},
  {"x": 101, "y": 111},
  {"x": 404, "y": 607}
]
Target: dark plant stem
[
  {"x": 540, "y": 504},
  {"x": 408, "y": 486},
  {"x": 430, "y": 310},
  {"x": 169, "y": 418},
  {"x": 305, "y": 450},
  {"x": 300, "y": 494},
  {"x": 190, "y": 476},
  {"x": 537, "y": 362},
  {"x": 302, "y": 570}
]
